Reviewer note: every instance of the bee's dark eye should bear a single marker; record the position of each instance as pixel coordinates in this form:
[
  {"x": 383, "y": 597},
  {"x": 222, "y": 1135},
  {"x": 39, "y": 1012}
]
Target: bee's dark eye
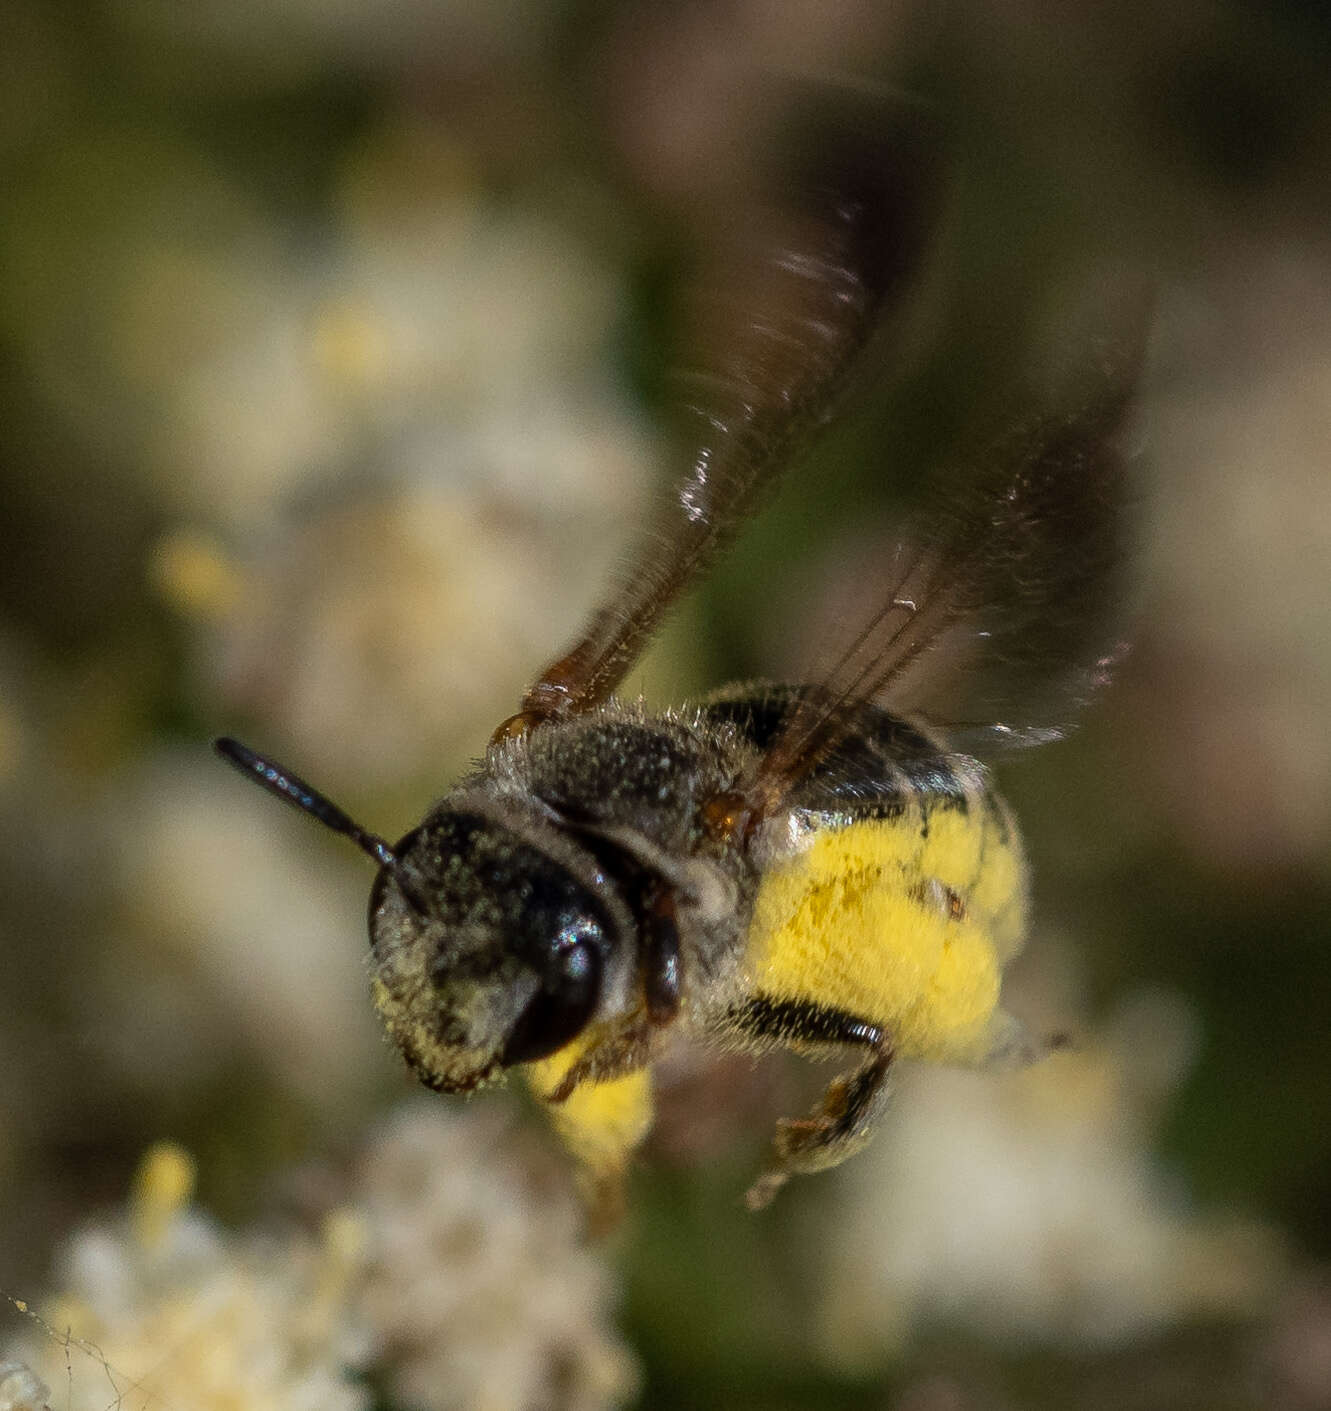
[{"x": 561, "y": 1007}]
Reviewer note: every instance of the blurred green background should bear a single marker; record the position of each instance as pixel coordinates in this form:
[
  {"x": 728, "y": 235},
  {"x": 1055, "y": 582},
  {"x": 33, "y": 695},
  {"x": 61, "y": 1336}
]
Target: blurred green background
[{"x": 334, "y": 343}]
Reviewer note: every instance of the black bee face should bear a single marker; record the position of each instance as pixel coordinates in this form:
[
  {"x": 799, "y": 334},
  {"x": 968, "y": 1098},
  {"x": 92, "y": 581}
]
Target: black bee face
[{"x": 490, "y": 946}]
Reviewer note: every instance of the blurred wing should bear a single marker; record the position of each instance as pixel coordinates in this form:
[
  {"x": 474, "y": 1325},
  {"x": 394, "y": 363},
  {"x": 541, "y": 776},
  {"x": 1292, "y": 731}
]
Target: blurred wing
[
  {"x": 848, "y": 227},
  {"x": 999, "y": 616}
]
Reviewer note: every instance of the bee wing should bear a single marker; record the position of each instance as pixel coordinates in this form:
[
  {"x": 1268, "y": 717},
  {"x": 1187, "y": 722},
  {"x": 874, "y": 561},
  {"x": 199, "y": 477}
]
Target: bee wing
[
  {"x": 848, "y": 227},
  {"x": 999, "y": 615}
]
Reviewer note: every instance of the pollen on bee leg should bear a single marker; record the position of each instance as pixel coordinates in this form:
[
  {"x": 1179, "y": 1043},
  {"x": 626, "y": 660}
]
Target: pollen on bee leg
[
  {"x": 602, "y": 1123},
  {"x": 608, "y": 1055}
]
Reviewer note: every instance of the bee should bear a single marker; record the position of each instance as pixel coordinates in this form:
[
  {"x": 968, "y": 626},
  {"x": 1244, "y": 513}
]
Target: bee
[{"x": 824, "y": 867}]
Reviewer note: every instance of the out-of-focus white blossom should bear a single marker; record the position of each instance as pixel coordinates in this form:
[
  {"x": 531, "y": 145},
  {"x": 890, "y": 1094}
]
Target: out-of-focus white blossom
[
  {"x": 480, "y": 1286},
  {"x": 455, "y": 1272},
  {"x": 1238, "y": 657},
  {"x": 383, "y": 641},
  {"x": 21, "y": 1389},
  {"x": 162, "y": 1308},
  {"x": 422, "y": 484},
  {"x": 251, "y": 937},
  {"x": 1028, "y": 1206},
  {"x": 432, "y": 334},
  {"x": 460, "y": 345}
]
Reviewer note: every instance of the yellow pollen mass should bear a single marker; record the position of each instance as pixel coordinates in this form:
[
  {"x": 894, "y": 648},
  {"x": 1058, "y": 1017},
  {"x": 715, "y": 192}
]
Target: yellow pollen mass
[{"x": 860, "y": 921}]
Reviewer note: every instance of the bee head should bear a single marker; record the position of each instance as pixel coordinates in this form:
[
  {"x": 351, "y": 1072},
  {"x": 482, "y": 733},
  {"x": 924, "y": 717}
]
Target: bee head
[
  {"x": 491, "y": 942},
  {"x": 492, "y": 933}
]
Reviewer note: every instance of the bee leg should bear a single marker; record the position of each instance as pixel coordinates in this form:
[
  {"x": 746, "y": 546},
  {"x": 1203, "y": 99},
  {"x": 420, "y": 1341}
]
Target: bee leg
[
  {"x": 601, "y": 1123},
  {"x": 622, "y": 1051},
  {"x": 599, "y": 1089},
  {"x": 838, "y": 1127},
  {"x": 843, "y": 1121}
]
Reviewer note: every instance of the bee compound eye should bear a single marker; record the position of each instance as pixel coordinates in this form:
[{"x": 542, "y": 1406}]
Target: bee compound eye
[{"x": 560, "y": 1009}]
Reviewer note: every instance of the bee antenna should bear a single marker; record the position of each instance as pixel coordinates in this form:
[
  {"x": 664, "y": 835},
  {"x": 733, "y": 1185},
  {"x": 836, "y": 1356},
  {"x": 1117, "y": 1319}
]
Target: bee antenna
[{"x": 270, "y": 775}]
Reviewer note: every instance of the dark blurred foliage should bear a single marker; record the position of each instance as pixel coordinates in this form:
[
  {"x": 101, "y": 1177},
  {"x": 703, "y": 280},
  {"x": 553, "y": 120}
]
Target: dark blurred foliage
[{"x": 335, "y": 348}]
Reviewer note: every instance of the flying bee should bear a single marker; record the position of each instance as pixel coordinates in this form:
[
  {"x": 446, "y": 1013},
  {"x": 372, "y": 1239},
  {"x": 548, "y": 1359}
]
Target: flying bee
[{"x": 824, "y": 867}]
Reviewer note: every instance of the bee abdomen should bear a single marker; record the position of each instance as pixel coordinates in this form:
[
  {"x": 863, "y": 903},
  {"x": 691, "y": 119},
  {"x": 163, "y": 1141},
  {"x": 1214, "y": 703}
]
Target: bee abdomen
[{"x": 878, "y": 923}]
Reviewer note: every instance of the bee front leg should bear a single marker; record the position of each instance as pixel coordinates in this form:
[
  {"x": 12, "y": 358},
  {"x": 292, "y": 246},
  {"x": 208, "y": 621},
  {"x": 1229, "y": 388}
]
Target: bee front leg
[
  {"x": 616, "y": 1052},
  {"x": 602, "y": 1122},
  {"x": 598, "y": 1088}
]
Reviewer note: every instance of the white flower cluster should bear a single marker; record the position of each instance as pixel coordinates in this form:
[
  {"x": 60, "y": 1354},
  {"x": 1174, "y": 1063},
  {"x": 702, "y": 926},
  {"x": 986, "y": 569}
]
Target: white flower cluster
[
  {"x": 455, "y": 1275},
  {"x": 479, "y": 1282},
  {"x": 1028, "y": 1207},
  {"x": 164, "y": 1309},
  {"x": 20, "y": 1389}
]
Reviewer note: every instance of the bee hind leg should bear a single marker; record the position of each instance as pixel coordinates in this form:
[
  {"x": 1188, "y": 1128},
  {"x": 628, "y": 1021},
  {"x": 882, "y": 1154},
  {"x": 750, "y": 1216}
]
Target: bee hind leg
[
  {"x": 843, "y": 1121},
  {"x": 837, "y": 1128}
]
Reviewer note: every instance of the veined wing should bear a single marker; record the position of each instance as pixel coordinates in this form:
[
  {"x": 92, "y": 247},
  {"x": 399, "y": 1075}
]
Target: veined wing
[
  {"x": 849, "y": 223},
  {"x": 1000, "y": 613}
]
